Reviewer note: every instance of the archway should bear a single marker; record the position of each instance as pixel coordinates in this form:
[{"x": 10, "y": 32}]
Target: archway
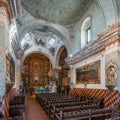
[
  {"x": 35, "y": 72},
  {"x": 63, "y": 71}
]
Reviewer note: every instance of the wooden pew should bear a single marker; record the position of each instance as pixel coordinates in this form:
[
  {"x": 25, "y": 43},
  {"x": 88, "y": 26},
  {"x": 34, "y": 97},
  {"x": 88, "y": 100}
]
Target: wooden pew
[
  {"x": 17, "y": 107},
  {"x": 70, "y": 109},
  {"x": 54, "y": 104},
  {"x": 96, "y": 114}
]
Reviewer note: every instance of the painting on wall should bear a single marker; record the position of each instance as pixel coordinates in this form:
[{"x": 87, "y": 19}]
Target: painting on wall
[{"x": 88, "y": 74}]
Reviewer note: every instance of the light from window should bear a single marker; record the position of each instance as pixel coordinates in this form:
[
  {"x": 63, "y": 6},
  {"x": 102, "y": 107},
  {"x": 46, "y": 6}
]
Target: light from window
[
  {"x": 27, "y": 36},
  {"x": 88, "y": 35},
  {"x": 51, "y": 41}
]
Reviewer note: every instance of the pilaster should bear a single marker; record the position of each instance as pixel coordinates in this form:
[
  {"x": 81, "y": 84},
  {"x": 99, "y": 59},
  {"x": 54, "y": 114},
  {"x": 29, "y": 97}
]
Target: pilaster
[{"x": 17, "y": 73}]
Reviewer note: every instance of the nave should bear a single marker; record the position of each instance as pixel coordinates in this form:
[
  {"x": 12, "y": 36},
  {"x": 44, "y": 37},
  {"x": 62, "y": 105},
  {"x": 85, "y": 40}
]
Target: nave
[
  {"x": 34, "y": 110},
  {"x": 53, "y": 106},
  {"x": 55, "y": 46}
]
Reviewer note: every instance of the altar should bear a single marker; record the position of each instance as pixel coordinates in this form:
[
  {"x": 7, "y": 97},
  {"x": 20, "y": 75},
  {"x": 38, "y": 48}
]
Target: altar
[{"x": 40, "y": 90}]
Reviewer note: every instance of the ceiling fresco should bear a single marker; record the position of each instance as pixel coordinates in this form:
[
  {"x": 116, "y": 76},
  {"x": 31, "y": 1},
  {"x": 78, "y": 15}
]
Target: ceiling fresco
[{"x": 63, "y": 12}]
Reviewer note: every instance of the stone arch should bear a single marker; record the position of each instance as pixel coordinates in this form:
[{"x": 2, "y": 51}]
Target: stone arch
[
  {"x": 58, "y": 56},
  {"x": 39, "y": 26},
  {"x": 35, "y": 25},
  {"x": 36, "y": 50}
]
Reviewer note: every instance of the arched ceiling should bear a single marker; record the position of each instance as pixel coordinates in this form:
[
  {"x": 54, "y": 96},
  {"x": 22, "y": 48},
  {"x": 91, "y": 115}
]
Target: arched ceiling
[
  {"x": 44, "y": 37},
  {"x": 48, "y": 41},
  {"x": 63, "y": 12}
]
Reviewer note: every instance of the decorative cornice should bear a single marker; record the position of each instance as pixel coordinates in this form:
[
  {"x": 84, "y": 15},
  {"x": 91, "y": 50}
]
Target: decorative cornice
[{"x": 109, "y": 36}]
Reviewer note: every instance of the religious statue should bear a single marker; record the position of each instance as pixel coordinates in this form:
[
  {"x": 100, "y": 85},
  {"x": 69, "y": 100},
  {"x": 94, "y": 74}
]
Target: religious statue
[{"x": 111, "y": 74}]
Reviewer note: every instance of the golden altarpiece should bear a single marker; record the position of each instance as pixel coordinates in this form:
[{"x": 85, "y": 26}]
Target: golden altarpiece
[{"x": 36, "y": 69}]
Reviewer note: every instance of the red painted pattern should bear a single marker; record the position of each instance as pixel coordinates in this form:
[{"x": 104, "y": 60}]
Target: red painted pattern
[{"x": 111, "y": 99}]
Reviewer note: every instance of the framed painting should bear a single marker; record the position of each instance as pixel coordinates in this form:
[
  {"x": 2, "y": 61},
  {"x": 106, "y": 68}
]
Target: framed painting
[{"x": 89, "y": 73}]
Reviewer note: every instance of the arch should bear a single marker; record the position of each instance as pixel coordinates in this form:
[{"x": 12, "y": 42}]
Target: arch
[
  {"x": 86, "y": 29},
  {"x": 39, "y": 26},
  {"x": 37, "y": 50},
  {"x": 36, "y": 25},
  {"x": 58, "y": 55}
]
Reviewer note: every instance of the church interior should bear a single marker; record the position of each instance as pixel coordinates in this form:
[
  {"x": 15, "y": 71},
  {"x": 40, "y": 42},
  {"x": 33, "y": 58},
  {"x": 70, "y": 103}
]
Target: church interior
[{"x": 59, "y": 59}]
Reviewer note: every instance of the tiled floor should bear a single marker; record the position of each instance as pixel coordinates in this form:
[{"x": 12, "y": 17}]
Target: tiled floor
[{"x": 34, "y": 110}]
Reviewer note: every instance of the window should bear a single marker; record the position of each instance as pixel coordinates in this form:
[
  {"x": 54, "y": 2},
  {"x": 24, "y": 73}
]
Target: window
[
  {"x": 27, "y": 36},
  {"x": 51, "y": 41},
  {"x": 86, "y": 34}
]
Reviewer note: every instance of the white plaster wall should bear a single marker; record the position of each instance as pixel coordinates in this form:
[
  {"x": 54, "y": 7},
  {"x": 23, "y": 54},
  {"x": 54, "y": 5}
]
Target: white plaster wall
[
  {"x": 113, "y": 53},
  {"x": 12, "y": 53},
  {"x": 103, "y": 12},
  {"x": 30, "y": 20},
  {"x": 117, "y": 3},
  {"x": 98, "y": 24},
  {"x": 87, "y": 61},
  {"x": 109, "y": 8},
  {"x": 33, "y": 22},
  {"x": 5, "y": 30}
]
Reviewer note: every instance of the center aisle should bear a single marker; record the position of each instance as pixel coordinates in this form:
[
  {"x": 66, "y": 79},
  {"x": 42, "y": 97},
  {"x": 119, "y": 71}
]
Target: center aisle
[{"x": 34, "y": 110}]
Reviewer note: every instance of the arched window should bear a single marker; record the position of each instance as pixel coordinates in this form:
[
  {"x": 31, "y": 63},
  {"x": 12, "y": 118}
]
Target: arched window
[{"x": 86, "y": 34}]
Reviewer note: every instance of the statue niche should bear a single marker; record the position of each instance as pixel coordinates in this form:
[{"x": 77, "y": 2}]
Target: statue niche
[{"x": 111, "y": 75}]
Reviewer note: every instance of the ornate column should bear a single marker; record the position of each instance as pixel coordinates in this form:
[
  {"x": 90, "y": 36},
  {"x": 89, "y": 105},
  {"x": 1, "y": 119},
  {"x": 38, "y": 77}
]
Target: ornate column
[
  {"x": 2, "y": 60},
  {"x": 2, "y": 77},
  {"x": 18, "y": 81},
  {"x": 17, "y": 73}
]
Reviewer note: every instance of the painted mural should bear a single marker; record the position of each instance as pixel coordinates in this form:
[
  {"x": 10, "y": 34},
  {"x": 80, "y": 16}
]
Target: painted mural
[{"x": 89, "y": 73}]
